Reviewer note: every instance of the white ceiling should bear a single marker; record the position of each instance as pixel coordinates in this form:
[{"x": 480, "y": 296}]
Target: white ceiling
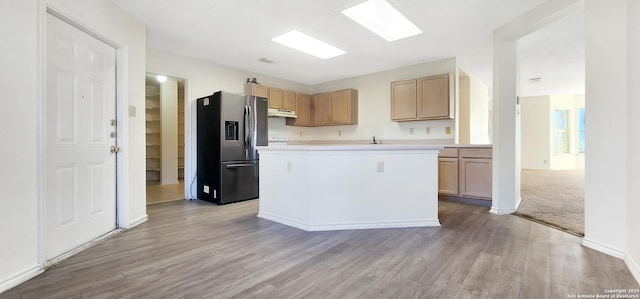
[{"x": 237, "y": 33}]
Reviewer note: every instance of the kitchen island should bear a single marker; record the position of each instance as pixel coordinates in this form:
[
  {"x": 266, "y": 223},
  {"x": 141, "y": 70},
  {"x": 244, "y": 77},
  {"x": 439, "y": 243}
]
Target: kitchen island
[{"x": 336, "y": 187}]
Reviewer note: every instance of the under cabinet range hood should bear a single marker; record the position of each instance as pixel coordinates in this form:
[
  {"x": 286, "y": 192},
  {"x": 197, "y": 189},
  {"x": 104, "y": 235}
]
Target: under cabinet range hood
[{"x": 281, "y": 113}]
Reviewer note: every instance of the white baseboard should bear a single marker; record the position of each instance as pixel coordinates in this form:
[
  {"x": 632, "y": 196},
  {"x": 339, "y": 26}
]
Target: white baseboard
[
  {"x": 497, "y": 211},
  {"x": 606, "y": 249},
  {"x": 348, "y": 225},
  {"x": 502, "y": 211},
  {"x": 138, "y": 221},
  {"x": 633, "y": 267},
  {"x": 20, "y": 278}
]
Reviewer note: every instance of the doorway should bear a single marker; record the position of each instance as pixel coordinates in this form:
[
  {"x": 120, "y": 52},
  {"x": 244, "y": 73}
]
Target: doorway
[
  {"x": 165, "y": 138},
  {"x": 80, "y": 140},
  {"x": 552, "y": 106}
]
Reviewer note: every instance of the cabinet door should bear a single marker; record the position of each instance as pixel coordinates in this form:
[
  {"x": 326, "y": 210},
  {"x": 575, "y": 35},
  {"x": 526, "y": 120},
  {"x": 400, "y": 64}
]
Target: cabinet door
[
  {"x": 321, "y": 109},
  {"x": 448, "y": 176},
  {"x": 257, "y": 90},
  {"x": 289, "y": 100},
  {"x": 404, "y": 100},
  {"x": 433, "y": 97},
  {"x": 276, "y": 98},
  {"x": 475, "y": 178},
  {"x": 341, "y": 107},
  {"x": 303, "y": 111}
]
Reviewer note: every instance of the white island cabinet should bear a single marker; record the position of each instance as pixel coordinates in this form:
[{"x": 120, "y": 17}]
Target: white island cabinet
[{"x": 338, "y": 187}]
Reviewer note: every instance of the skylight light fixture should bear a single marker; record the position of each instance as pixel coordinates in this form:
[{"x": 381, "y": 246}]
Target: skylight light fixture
[
  {"x": 302, "y": 42},
  {"x": 382, "y": 19}
]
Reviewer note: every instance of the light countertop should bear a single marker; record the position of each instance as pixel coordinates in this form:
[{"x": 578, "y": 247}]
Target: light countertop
[{"x": 352, "y": 147}]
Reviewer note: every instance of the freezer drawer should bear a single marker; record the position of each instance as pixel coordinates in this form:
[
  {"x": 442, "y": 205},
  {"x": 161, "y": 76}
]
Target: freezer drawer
[{"x": 238, "y": 181}]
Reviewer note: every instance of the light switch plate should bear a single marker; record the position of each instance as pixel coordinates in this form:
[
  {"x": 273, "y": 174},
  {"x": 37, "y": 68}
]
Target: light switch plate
[
  {"x": 448, "y": 130},
  {"x": 380, "y": 167},
  {"x": 132, "y": 111}
]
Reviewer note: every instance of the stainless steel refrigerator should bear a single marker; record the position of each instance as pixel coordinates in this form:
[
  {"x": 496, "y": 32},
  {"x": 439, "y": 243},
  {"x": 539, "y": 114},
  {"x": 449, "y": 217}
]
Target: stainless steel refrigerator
[{"x": 229, "y": 126}]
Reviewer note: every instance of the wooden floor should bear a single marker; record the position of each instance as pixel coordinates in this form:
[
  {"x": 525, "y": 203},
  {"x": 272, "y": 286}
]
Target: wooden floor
[
  {"x": 193, "y": 249},
  {"x": 157, "y": 193}
]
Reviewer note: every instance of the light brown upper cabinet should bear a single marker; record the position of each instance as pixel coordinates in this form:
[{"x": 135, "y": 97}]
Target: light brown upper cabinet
[
  {"x": 344, "y": 107},
  {"x": 422, "y": 99},
  {"x": 289, "y": 99},
  {"x": 303, "y": 111},
  {"x": 257, "y": 90},
  {"x": 276, "y": 98},
  {"x": 403, "y": 100},
  {"x": 321, "y": 109}
]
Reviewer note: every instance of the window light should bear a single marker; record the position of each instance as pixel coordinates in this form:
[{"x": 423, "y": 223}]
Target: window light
[
  {"x": 302, "y": 42},
  {"x": 382, "y": 19}
]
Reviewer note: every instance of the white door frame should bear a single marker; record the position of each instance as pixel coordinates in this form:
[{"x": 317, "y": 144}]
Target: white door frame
[{"x": 122, "y": 158}]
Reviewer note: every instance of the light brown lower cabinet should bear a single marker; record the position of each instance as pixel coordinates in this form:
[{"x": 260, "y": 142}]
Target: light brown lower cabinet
[
  {"x": 448, "y": 176},
  {"x": 464, "y": 174}
]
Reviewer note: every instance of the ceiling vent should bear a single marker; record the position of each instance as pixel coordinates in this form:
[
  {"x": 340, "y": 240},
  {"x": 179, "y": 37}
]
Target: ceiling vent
[
  {"x": 267, "y": 60},
  {"x": 535, "y": 80}
]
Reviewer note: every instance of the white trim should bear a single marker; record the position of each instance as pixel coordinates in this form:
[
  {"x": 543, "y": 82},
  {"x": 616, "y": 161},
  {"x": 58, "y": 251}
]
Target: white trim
[
  {"x": 82, "y": 247},
  {"x": 606, "y": 249},
  {"x": 497, "y": 211},
  {"x": 633, "y": 267},
  {"x": 138, "y": 221},
  {"x": 169, "y": 182},
  {"x": 20, "y": 278},
  {"x": 40, "y": 157},
  {"x": 348, "y": 225}
]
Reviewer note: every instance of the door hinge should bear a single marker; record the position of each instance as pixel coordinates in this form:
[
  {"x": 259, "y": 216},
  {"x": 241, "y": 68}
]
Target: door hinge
[{"x": 114, "y": 149}]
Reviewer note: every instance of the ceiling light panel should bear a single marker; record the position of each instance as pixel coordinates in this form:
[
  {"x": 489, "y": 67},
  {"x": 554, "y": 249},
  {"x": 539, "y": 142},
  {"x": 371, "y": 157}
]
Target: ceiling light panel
[
  {"x": 302, "y": 42},
  {"x": 382, "y": 19}
]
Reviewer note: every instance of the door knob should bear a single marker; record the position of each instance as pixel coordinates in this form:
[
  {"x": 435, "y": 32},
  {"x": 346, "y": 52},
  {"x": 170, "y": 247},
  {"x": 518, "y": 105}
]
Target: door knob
[{"x": 114, "y": 149}]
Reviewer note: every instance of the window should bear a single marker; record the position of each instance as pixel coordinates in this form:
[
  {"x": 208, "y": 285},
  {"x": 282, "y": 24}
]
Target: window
[
  {"x": 581, "y": 130},
  {"x": 561, "y": 132}
]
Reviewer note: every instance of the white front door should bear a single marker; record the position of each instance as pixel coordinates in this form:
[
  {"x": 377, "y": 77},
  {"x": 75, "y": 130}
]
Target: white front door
[{"x": 80, "y": 170}]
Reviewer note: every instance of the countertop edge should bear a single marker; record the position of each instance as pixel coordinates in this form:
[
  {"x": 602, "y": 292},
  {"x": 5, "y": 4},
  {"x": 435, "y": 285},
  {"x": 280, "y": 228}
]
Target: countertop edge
[{"x": 357, "y": 147}]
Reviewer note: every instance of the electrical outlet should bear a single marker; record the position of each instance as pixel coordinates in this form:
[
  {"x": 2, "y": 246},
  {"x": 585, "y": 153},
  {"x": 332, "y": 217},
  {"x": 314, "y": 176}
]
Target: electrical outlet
[
  {"x": 411, "y": 131},
  {"x": 447, "y": 130},
  {"x": 544, "y": 161},
  {"x": 132, "y": 111},
  {"x": 380, "y": 167},
  {"x": 288, "y": 166},
  {"x": 428, "y": 130},
  {"x": 339, "y": 133},
  {"x": 205, "y": 189},
  {"x": 300, "y": 133}
]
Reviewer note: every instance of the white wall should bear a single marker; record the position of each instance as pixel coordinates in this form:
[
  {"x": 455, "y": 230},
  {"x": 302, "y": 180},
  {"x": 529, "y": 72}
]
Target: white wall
[
  {"x": 568, "y": 160},
  {"x": 202, "y": 79},
  {"x": 374, "y": 108},
  {"x": 18, "y": 158},
  {"x": 536, "y": 125},
  {"x": 22, "y": 25},
  {"x": 606, "y": 125},
  {"x": 633, "y": 142},
  {"x": 169, "y": 125},
  {"x": 538, "y": 132},
  {"x": 473, "y": 110}
]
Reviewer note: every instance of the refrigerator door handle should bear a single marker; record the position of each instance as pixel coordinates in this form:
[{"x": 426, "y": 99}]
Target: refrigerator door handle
[
  {"x": 239, "y": 165},
  {"x": 251, "y": 128},
  {"x": 246, "y": 131}
]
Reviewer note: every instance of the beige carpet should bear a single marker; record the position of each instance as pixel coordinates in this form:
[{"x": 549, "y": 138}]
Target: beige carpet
[{"x": 555, "y": 197}]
